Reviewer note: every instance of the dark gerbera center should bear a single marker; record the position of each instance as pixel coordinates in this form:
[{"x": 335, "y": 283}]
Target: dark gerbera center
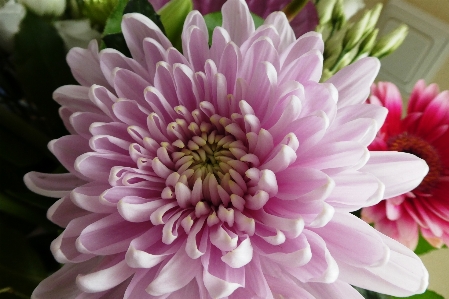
[{"x": 408, "y": 143}]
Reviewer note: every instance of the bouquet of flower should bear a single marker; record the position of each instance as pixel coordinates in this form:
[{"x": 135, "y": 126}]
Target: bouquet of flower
[{"x": 212, "y": 149}]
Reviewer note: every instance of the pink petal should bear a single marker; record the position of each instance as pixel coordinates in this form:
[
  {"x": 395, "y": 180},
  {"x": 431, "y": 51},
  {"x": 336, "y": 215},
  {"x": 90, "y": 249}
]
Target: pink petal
[
  {"x": 237, "y": 20},
  {"x": 389, "y": 168},
  {"x": 353, "y": 82}
]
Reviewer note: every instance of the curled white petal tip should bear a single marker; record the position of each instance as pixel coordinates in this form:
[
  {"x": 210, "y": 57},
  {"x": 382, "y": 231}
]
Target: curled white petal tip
[{"x": 240, "y": 256}]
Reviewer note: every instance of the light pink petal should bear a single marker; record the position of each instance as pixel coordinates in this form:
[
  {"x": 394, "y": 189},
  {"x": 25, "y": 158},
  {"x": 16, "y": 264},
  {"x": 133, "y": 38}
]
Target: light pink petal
[
  {"x": 52, "y": 185},
  {"x": 353, "y": 82},
  {"x": 389, "y": 168},
  {"x": 354, "y": 190},
  {"x": 75, "y": 97},
  {"x": 321, "y": 268},
  {"x": 63, "y": 211},
  {"x": 61, "y": 284},
  {"x": 173, "y": 276},
  {"x": 103, "y": 99},
  {"x": 109, "y": 235},
  {"x": 112, "y": 271},
  {"x": 131, "y": 113},
  {"x": 403, "y": 275},
  {"x": 219, "y": 279},
  {"x": 67, "y": 149},
  {"x": 87, "y": 197},
  {"x": 111, "y": 59},
  {"x": 81, "y": 121},
  {"x": 220, "y": 38},
  {"x": 97, "y": 166},
  {"x": 85, "y": 65},
  {"x": 308, "y": 67},
  {"x": 130, "y": 85},
  {"x": 64, "y": 248},
  {"x": 309, "y": 180},
  {"x": 135, "y": 28},
  {"x": 237, "y": 20},
  {"x": 307, "y": 42},
  {"x": 285, "y": 31},
  {"x": 346, "y": 234}
]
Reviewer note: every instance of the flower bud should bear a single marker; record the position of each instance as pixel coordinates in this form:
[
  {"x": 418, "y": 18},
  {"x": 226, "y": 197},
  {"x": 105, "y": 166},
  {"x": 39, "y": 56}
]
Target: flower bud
[
  {"x": 390, "y": 42},
  {"x": 356, "y": 32},
  {"x": 11, "y": 14},
  {"x": 368, "y": 42},
  {"x": 45, "y": 7},
  {"x": 325, "y": 9},
  {"x": 338, "y": 15},
  {"x": 76, "y": 33},
  {"x": 97, "y": 11},
  {"x": 375, "y": 13}
]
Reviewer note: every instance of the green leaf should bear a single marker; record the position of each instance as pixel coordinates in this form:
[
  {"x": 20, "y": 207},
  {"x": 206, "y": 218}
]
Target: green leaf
[
  {"x": 427, "y": 295},
  {"x": 113, "y": 24},
  {"x": 173, "y": 15},
  {"x": 215, "y": 19},
  {"x": 371, "y": 295},
  {"x": 423, "y": 246},
  {"x": 20, "y": 267},
  {"x": 39, "y": 60},
  {"x": 113, "y": 36}
]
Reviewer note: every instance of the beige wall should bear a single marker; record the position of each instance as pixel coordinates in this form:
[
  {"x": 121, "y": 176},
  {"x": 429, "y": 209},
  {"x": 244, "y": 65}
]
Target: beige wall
[{"x": 440, "y": 10}]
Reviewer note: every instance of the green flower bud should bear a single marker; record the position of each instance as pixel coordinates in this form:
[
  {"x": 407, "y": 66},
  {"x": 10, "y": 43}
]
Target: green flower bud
[
  {"x": 368, "y": 42},
  {"x": 338, "y": 15},
  {"x": 390, "y": 42},
  {"x": 375, "y": 13},
  {"x": 97, "y": 11},
  {"x": 325, "y": 9},
  {"x": 356, "y": 32}
]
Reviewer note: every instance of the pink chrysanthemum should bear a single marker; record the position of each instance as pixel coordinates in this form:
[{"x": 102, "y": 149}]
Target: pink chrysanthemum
[
  {"x": 305, "y": 21},
  {"x": 223, "y": 172},
  {"x": 423, "y": 132}
]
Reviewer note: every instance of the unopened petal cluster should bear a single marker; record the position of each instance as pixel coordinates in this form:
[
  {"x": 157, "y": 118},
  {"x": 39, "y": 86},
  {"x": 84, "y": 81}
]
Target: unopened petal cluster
[
  {"x": 223, "y": 172},
  {"x": 424, "y": 133}
]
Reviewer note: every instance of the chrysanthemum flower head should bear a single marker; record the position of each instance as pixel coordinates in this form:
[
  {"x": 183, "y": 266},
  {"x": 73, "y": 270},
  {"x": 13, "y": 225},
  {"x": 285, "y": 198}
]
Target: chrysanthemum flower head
[
  {"x": 223, "y": 172},
  {"x": 423, "y": 132}
]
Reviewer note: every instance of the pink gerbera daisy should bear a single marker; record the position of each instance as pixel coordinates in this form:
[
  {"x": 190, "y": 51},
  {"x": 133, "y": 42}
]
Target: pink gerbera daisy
[
  {"x": 222, "y": 172},
  {"x": 423, "y": 132}
]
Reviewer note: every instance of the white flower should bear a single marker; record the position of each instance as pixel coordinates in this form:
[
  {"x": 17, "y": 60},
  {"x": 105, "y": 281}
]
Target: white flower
[
  {"x": 76, "y": 33},
  {"x": 46, "y": 7},
  {"x": 11, "y": 14}
]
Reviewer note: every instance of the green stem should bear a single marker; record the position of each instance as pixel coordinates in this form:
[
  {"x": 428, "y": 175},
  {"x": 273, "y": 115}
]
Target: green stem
[{"x": 12, "y": 291}]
